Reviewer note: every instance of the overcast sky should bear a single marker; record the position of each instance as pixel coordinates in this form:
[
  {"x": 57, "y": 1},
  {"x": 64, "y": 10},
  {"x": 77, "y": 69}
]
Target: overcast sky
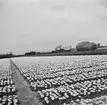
[{"x": 41, "y": 25}]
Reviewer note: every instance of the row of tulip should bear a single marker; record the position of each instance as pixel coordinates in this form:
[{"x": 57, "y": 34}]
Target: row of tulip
[
  {"x": 49, "y": 72},
  {"x": 67, "y": 78},
  {"x": 8, "y": 92},
  {"x": 77, "y": 91},
  {"x": 61, "y": 81},
  {"x": 9, "y": 100}
]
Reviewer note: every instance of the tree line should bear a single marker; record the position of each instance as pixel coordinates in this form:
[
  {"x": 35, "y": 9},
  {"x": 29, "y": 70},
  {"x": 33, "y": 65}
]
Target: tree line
[{"x": 82, "y": 48}]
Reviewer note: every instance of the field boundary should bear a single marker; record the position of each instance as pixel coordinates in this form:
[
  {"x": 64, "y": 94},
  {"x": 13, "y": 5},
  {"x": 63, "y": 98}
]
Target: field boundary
[{"x": 25, "y": 95}]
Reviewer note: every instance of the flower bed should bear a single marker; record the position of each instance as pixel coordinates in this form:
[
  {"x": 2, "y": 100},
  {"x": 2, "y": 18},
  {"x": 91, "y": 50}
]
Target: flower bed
[
  {"x": 62, "y": 81},
  {"x": 8, "y": 91}
]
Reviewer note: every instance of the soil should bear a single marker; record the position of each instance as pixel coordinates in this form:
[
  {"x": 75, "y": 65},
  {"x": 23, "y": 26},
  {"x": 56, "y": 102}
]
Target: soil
[{"x": 25, "y": 95}]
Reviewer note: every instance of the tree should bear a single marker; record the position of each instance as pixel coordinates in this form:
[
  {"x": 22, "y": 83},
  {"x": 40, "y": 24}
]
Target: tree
[
  {"x": 86, "y": 46},
  {"x": 59, "y": 48}
]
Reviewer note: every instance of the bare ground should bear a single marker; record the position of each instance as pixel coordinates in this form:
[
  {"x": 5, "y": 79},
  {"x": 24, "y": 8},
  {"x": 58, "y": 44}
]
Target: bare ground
[{"x": 25, "y": 95}]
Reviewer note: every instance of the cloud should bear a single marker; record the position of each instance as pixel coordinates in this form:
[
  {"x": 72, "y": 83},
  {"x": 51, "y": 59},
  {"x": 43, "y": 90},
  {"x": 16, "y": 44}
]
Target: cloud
[
  {"x": 52, "y": 11},
  {"x": 74, "y": 10},
  {"x": 101, "y": 10},
  {"x": 104, "y": 3},
  {"x": 43, "y": 24},
  {"x": 70, "y": 10}
]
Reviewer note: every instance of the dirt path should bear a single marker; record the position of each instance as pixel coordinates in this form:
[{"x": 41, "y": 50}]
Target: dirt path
[{"x": 25, "y": 95}]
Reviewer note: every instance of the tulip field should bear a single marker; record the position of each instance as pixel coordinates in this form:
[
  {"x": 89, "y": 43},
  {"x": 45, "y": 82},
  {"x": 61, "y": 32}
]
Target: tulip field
[
  {"x": 65, "y": 80},
  {"x": 8, "y": 91}
]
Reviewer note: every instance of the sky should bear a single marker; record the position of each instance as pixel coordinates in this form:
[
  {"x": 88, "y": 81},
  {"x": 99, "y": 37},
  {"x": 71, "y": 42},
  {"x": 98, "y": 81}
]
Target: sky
[{"x": 41, "y": 25}]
